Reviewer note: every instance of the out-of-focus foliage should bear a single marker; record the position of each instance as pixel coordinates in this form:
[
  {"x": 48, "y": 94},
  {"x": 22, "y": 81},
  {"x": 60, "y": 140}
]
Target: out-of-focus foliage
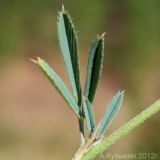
[
  {"x": 134, "y": 28},
  {"x": 135, "y": 33}
]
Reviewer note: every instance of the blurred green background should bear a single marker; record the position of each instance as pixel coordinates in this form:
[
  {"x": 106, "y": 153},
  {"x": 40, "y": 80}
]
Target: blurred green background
[{"x": 35, "y": 123}]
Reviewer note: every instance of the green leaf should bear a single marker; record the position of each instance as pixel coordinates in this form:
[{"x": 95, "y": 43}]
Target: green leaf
[
  {"x": 89, "y": 114},
  {"x": 111, "y": 112},
  {"x": 58, "y": 84},
  {"x": 69, "y": 51},
  {"x": 94, "y": 67}
]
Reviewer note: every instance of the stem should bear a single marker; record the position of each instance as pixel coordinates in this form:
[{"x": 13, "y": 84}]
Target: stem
[
  {"x": 81, "y": 123},
  {"x": 81, "y": 129},
  {"x": 122, "y": 132}
]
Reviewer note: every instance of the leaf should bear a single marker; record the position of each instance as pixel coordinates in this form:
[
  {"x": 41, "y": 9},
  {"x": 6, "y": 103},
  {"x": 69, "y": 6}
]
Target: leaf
[
  {"x": 111, "y": 112},
  {"x": 89, "y": 114},
  {"x": 94, "y": 67},
  {"x": 69, "y": 51},
  {"x": 58, "y": 84}
]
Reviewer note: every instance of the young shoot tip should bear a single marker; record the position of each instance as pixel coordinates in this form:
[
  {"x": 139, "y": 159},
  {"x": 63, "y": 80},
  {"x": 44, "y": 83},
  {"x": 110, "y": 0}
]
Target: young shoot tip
[
  {"x": 34, "y": 60},
  {"x": 101, "y": 36},
  {"x": 63, "y": 9},
  {"x": 123, "y": 92}
]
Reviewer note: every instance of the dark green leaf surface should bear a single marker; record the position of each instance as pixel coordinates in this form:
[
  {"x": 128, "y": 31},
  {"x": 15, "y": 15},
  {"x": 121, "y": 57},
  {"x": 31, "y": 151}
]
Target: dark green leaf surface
[
  {"x": 94, "y": 67},
  {"x": 111, "y": 112},
  {"x": 89, "y": 114},
  {"x": 69, "y": 50},
  {"x": 58, "y": 84}
]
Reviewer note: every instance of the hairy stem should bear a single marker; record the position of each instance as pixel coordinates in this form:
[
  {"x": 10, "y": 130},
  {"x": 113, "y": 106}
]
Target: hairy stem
[{"x": 122, "y": 132}]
